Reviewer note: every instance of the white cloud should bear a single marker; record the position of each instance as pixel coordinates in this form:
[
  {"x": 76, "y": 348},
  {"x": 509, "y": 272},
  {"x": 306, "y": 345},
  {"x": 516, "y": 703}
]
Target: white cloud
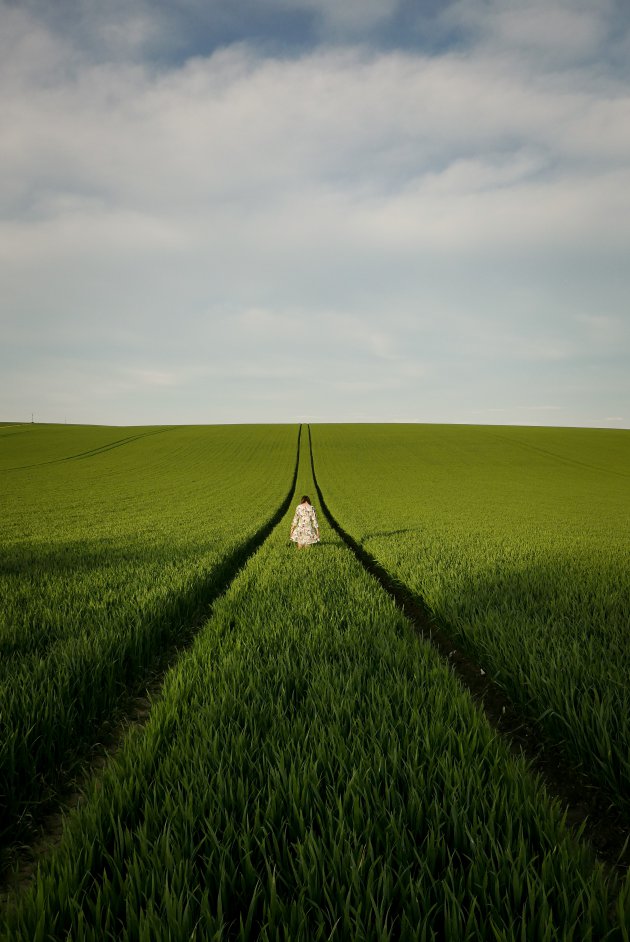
[
  {"x": 29, "y": 53},
  {"x": 562, "y": 29},
  {"x": 144, "y": 378},
  {"x": 237, "y": 134},
  {"x": 541, "y": 408},
  {"x": 393, "y": 213}
]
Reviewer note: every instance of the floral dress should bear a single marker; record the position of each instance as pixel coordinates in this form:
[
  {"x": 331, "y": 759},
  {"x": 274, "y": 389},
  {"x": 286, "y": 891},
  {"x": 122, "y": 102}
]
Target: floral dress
[{"x": 304, "y": 527}]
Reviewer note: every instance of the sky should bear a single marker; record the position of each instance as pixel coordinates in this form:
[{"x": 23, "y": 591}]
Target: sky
[{"x": 308, "y": 210}]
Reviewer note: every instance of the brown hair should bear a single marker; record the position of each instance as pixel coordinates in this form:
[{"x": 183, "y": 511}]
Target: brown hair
[{"x": 305, "y": 500}]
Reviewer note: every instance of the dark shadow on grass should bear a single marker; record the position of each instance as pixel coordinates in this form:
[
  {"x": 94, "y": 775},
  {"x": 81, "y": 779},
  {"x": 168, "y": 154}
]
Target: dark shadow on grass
[
  {"x": 386, "y": 533},
  {"x": 59, "y": 558}
]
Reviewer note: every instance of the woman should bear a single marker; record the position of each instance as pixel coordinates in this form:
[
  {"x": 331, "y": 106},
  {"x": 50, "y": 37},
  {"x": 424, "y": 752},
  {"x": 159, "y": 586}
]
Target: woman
[{"x": 304, "y": 528}]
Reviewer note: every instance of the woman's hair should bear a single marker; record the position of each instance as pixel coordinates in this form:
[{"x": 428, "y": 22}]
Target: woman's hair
[{"x": 305, "y": 500}]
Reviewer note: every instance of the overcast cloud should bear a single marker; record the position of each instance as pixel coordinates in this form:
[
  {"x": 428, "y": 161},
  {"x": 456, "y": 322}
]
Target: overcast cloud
[{"x": 304, "y": 210}]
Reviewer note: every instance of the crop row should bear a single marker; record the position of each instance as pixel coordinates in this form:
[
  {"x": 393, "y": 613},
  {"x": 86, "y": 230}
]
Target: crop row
[
  {"x": 114, "y": 542},
  {"x": 312, "y": 770},
  {"x": 518, "y": 540}
]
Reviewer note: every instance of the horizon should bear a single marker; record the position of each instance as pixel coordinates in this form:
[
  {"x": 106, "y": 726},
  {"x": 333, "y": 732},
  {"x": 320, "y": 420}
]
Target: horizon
[{"x": 300, "y": 422}]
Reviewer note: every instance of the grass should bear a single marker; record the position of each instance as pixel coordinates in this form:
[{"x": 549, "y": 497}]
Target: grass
[
  {"x": 518, "y": 540},
  {"x": 313, "y": 771},
  {"x": 114, "y": 541}
]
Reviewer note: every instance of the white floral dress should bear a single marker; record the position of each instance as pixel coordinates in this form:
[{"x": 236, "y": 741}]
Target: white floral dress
[{"x": 304, "y": 528}]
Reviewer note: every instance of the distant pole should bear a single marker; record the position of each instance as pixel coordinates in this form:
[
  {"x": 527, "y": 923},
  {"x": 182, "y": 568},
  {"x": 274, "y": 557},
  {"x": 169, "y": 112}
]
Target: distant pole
[{"x": 32, "y": 419}]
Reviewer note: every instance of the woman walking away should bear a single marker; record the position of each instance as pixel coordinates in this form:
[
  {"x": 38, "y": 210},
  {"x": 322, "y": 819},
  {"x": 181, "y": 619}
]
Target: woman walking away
[{"x": 305, "y": 529}]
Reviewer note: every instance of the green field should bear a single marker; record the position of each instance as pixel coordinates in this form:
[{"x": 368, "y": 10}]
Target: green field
[
  {"x": 112, "y": 541},
  {"x": 311, "y": 768},
  {"x": 518, "y": 539}
]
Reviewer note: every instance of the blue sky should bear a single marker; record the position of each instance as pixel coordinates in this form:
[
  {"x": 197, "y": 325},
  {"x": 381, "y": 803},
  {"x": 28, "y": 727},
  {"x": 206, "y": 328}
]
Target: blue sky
[{"x": 302, "y": 210}]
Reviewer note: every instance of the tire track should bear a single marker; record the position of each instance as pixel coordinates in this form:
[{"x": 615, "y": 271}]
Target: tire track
[
  {"x": 92, "y": 451},
  {"x": 20, "y": 860},
  {"x": 565, "y": 459},
  {"x": 588, "y": 807}
]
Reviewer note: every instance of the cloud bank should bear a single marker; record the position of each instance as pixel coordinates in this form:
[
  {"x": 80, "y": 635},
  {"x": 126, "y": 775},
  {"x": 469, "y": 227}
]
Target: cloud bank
[{"x": 347, "y": 213}]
